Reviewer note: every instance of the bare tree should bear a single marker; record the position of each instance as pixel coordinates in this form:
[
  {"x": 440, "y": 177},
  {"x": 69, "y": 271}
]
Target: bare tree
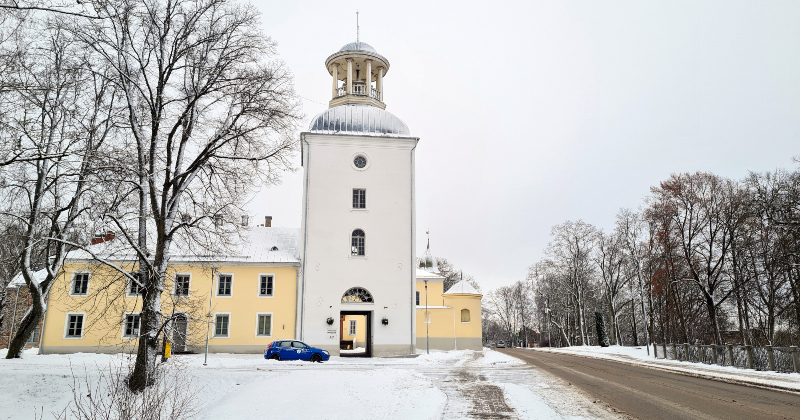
[
  {"x": 209, "y": 114},
  {"x": 61, "y": 118},
  {"x": 611, "y": 261}
]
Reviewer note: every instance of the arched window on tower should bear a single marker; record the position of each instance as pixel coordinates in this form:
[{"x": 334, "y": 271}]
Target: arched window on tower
[
  {"x": 465, "y": 315},
  {"x": 357, "y": 295},
  {"x": 357, "y": 243}
]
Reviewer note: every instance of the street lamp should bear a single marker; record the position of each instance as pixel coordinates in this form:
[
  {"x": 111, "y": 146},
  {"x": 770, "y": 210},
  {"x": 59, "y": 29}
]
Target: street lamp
[{"x": 208, "y": 318}]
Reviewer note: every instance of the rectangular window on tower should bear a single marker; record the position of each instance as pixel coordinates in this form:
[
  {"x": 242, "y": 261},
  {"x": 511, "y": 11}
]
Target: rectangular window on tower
[{"x": 359, "y": 198}]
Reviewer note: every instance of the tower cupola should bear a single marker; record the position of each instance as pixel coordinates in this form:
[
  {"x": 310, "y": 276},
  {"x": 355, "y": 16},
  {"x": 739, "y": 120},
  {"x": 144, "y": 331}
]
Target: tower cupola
[{"x": 357, "y": 71}]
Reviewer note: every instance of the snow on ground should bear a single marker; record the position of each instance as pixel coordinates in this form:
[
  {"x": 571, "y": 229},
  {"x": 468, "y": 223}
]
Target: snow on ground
[
  {"x": 442, "y": 385},
  {"x": 638, "y": 355}
]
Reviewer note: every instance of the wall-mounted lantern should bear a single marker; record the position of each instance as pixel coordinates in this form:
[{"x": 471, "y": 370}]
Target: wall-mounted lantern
[
  {"x": 329, "y": 320},
  {"x": 385, "y": 321}
]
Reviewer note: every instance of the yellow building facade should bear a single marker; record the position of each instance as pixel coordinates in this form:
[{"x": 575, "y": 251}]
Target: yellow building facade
[{"x": 239, "y": 304}]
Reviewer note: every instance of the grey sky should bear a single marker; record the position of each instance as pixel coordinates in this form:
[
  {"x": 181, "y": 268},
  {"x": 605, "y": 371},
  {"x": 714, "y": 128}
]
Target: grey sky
[{"x": 533, "y": 113}]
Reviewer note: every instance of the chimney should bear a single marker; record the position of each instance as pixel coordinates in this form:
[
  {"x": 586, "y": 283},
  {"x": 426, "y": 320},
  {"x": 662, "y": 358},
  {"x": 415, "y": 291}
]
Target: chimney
[
  {"x": 267, "y": 221},
  {"x": 245, "y": 220},
  {"x": 102, "y": 237}
]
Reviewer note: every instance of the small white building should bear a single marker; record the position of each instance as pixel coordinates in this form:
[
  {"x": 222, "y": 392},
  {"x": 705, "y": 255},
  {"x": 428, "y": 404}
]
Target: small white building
[{"x": 358, "y": 256}]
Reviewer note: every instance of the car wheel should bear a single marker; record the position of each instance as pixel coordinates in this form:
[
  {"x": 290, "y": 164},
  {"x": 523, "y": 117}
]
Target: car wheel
[
  {"x": 316, "y": 358},
  {"x": 275, "y": 357}
]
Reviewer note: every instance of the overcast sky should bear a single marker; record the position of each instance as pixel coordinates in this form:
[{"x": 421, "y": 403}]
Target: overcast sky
[{"x": 533, "y": 113}]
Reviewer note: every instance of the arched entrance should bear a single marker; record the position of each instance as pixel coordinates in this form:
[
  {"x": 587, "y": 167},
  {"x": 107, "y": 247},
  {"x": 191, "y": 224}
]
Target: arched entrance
[{"x": 355, "y": 324}]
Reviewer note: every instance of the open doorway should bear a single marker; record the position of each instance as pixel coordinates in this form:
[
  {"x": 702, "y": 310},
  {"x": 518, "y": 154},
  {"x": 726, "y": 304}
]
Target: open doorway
[{"x": 355, "y": 334}]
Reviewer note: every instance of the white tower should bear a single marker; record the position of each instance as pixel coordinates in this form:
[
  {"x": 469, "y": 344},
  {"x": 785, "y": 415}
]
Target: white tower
[{"x": 358, "y": 256}]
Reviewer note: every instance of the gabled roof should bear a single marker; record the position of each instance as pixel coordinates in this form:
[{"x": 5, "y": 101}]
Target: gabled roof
[
  {"x": 19, "y": 281},
  {"x": 462, "y": 288},
  {"x": 257, "y": 244}
]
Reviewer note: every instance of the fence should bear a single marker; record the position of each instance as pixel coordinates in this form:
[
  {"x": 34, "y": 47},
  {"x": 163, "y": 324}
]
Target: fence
[{"x": 777, "y": 359}]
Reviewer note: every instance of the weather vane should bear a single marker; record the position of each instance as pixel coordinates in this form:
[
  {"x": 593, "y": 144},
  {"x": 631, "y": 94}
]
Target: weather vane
[{"x": 358, "y": 38}]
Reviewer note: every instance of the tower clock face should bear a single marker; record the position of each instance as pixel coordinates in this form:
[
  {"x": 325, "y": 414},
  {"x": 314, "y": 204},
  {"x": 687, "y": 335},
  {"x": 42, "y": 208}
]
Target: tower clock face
[{"x": 360, "y": 162}]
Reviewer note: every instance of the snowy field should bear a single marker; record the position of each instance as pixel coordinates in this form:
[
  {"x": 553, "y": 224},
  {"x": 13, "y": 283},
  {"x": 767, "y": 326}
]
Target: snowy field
[
  {"x": 449, "y": 385},
  {"x": 638, "y": 355}
]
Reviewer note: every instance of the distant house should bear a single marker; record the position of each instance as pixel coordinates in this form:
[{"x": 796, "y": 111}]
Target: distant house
[{"x": 18, "y": 301}]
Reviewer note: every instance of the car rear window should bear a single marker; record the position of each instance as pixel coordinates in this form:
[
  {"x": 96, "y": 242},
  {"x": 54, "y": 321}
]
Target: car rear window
[{"x": 285, "y": 344}]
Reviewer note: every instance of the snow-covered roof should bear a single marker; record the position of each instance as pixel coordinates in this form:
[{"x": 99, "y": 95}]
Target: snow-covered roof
[
  {"x": 462, "y": 288},
  {"x": 19, "y": 281},
  {"x": 422, "y": 274},
  {"x": 255, "y": 245}
]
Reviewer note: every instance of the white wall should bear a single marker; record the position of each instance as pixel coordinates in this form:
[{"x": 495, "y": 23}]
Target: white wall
[{"x": 387, "y": 270}]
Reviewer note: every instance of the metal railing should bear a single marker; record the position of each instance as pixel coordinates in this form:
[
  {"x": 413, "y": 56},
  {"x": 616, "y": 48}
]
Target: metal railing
[
  {"x": 360, "y": 89},
  {"x": 767, "y": 358}
]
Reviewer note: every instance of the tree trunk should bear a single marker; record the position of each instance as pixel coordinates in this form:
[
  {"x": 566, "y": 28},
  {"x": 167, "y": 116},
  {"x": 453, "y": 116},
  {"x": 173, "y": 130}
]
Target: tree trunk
[{"x": 27, "y": 325}]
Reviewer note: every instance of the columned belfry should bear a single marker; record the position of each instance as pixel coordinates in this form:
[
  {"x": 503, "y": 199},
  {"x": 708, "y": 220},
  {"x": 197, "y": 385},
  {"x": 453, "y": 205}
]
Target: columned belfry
[{"x": 357, "y": 71}]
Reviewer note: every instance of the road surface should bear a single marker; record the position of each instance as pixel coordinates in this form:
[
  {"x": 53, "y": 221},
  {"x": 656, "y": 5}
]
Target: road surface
[{"x": 646, "y": 393}]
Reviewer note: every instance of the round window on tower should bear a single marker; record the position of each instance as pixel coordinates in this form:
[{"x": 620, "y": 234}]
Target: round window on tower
[{"x": 360, "y": 162}]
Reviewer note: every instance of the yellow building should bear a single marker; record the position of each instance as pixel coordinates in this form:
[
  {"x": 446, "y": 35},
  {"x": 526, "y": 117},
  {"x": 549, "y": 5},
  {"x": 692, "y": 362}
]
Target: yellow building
[
  {"x": 238, "y": 302},
  {"x": 252, "y": 297}
]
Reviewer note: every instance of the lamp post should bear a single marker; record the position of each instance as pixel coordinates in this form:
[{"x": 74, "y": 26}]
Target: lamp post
[
  {"x": 547, "y": 312},
  {"x": 427, "y": 346}
]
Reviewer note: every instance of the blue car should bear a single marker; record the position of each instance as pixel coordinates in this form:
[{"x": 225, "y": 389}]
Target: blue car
[{"x": 295, "y": 350}]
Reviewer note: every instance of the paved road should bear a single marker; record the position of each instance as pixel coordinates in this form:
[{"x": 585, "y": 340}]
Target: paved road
[{"x": 646, "y": 393}]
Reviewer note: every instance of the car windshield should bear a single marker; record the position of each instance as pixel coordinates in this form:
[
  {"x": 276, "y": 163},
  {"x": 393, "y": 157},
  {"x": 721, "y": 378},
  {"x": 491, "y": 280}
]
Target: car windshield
[{"x": 298, "y": 345}]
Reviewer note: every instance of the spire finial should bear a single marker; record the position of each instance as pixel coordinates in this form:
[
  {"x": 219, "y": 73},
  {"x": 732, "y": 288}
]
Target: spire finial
[
  {"x": 428, "y": 232},
  {"x": 358, "y": 35}
]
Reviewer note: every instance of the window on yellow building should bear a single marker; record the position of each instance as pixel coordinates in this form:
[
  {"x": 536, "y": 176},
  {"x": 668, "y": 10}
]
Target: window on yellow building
[
  {"x": 221, "y": 323},
  {"x": 182, "y": 284},
  {"x": 225, "y": 286},
  {"x": 133, "y": 286},
  {"x": 264, "y": 325},
  {"x": 131, "y": 325},
  {"x": 74, "y": 326},
  {"x": 80, "y": 284},
  {"x": 465, "y": 315},
  {"x": 265, "y": 286},
  {"x": 353, "y": 327},
  {"x": 417, "y": 298}
]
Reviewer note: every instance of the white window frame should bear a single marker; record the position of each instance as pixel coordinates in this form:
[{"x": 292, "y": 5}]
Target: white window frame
[
  {"x": 353, "y": 327},
  {"x": 175, "y": 285},
  {"x": 258, "y": 285},
  {"x": 214, "y": 335},
  {"x": 72, "y": 283},
  {"x": 350, "y": 243},
  {"x": 128, "y": 284},
  {"x": 66, "y": 325},
  {"x": 37, "y": 332},
  {"x": 125, "y": 325},
  {"x": 271, "y": 323},
  {"x": 216, "y": 289},
  {"x": 366, "y": 208}
]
